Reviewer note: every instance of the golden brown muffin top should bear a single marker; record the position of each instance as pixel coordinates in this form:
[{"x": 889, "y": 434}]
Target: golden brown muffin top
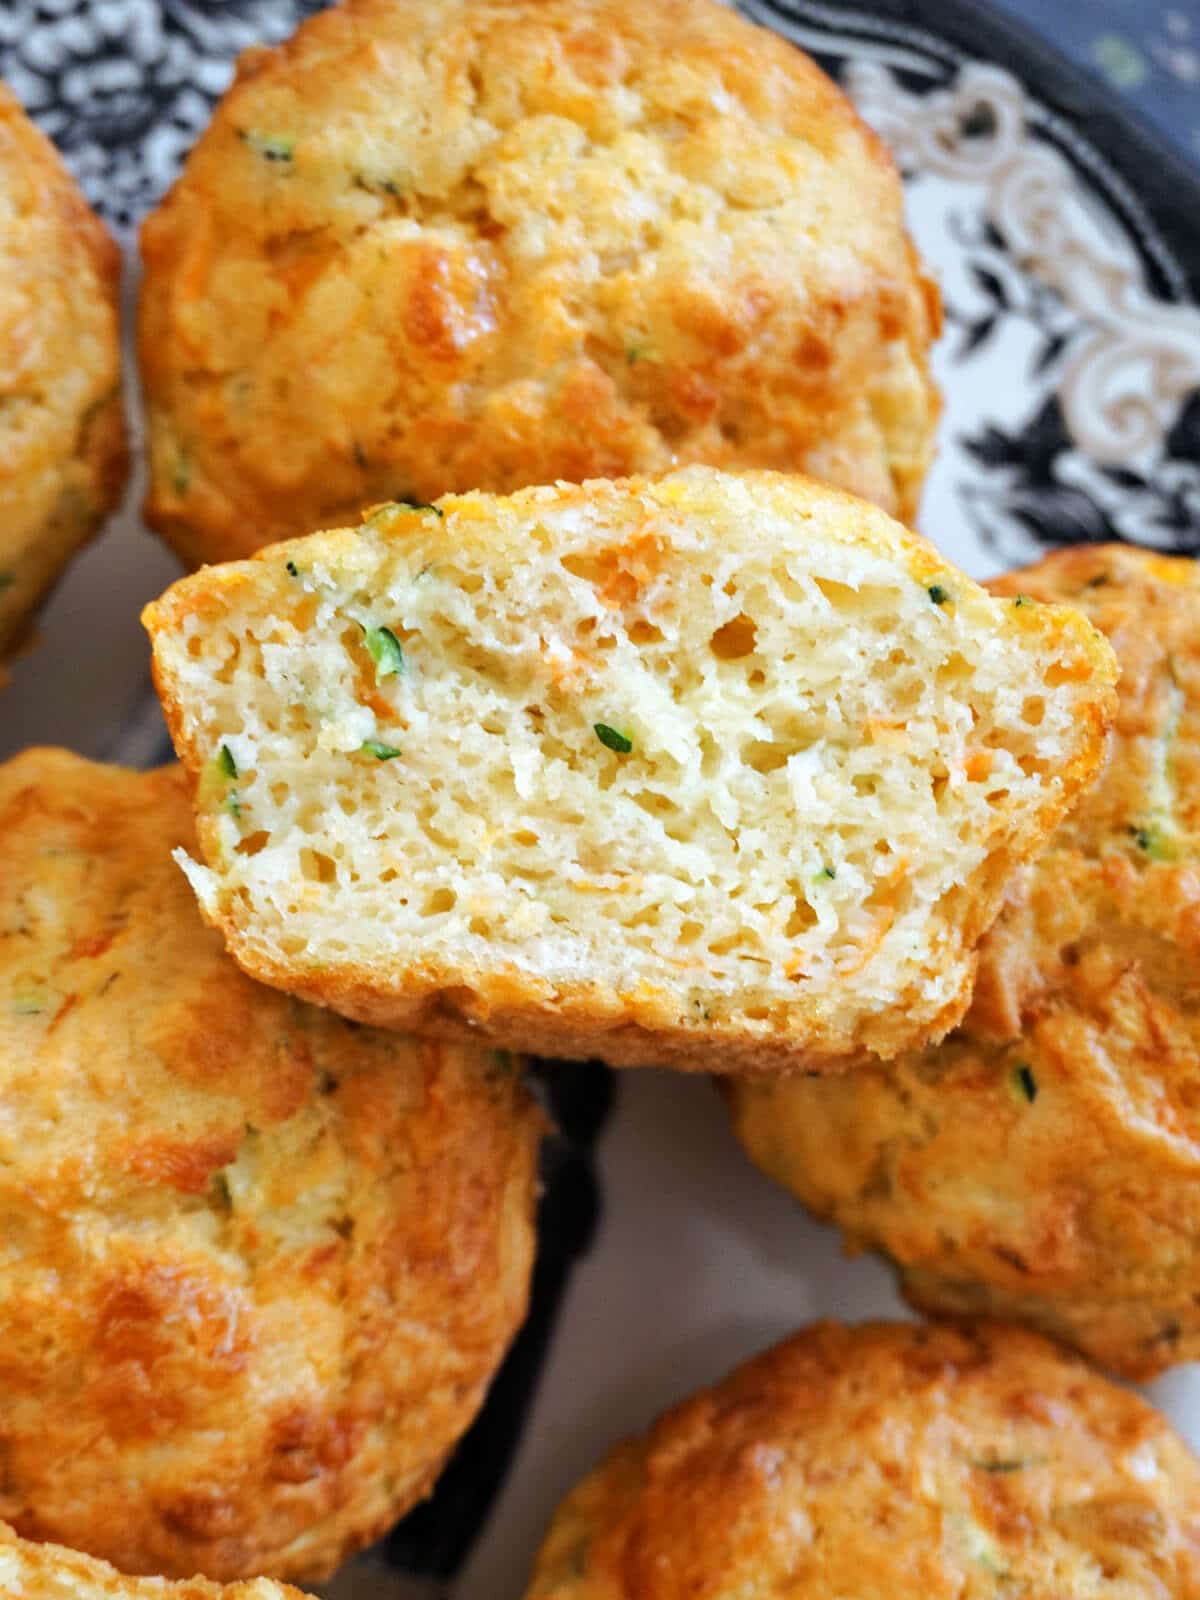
[
  {"x": 62, "y": 452},
  {"x": 889, "y": 1462},
  {"x": 31, "y": 1571},
  {"x": 1044, "y": 1162},
  {"x": 257, "y": 1265},
  {"x": 1111, "y": 911},
  {"x": 430, "y": 246}
]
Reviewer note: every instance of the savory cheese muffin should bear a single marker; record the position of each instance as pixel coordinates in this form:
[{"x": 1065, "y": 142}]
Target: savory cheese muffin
[
  {"x": 890, "y": 1462},
  {"x": 1044, "y": 1163},
  {"x": 441, "y": 245},
  {"x": 257, "y": 1265},
  {"x": 62, "y": 429},
  {"x": 711, "y": 771},
  {"x": 48, "y": 1572}
]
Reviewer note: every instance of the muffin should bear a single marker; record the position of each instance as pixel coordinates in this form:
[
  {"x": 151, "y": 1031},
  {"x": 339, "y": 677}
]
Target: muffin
[
  {"x": 889, "y": 1462},
  {"x": 257, "y": 1265},
  {"x": 1044, "y": 1163},
  {"x": 442, "y": 245},
  {"x": 48, "y": 1572},
  {"x": 62, "y": 430},
  {"x": 716, "y": 772}
]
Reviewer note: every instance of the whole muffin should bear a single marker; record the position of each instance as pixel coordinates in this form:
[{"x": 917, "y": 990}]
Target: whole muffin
[
  {"x": 62, "y": 430},
  {"x": 48, "y": 1572},
  {"x": 257, "y": 1265},
  {"x": 1044, "y": 1162},
  {"x": 436, "y": 245},
  {"x": 889, "y": 1462}
]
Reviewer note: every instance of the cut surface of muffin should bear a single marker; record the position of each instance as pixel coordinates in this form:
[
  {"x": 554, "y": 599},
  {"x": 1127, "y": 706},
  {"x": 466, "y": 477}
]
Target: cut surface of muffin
[{"x": 713, "y": 771}]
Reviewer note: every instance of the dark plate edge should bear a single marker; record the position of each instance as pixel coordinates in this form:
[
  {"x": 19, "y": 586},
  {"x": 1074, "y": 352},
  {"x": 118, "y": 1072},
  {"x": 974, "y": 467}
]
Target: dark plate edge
[{"x": 1158, "y": 175}]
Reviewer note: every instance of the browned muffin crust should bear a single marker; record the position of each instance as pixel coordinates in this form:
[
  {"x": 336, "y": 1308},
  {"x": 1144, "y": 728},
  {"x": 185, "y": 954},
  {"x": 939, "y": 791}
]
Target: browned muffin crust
[
  {"x": 442, "y": 245},
  {"x": 1044, "y": 1162},
  {"x": 63, "y": 457},
  {"x": 889, "y": 1462},
  {"x": 257, "y": 1265}
]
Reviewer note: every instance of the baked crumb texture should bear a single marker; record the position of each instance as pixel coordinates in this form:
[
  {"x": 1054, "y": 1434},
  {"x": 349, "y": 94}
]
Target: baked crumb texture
[{"x": 711, "y": 771}]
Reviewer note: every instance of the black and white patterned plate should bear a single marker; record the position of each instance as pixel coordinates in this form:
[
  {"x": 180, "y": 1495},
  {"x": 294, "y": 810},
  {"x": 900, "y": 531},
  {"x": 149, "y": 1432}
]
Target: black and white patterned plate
[{"x": 1068, "y": 244}]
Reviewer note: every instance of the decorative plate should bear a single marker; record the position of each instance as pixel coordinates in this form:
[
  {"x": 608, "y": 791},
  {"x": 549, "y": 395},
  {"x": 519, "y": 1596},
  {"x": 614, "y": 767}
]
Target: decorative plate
[{"x": 1067, "y": 239}]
